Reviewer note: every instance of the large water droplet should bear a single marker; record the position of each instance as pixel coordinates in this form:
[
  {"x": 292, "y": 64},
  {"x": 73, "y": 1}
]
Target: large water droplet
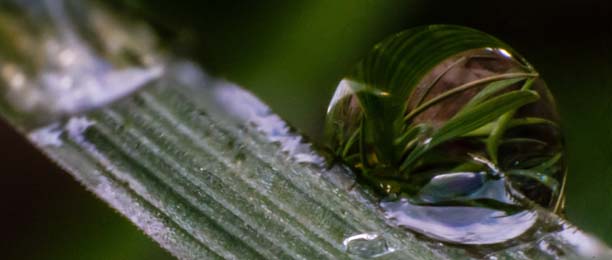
[{"x": 461, "y": 153}]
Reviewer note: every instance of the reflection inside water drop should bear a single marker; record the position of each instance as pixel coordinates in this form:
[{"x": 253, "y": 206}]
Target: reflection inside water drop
[
  {"x": 465, "y": 208},
  {"x": 461, "y": 155}
]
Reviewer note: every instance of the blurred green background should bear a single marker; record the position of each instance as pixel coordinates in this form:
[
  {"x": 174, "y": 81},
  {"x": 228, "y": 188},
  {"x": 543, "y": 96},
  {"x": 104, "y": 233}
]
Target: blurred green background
[{"x": 291, "y": 54}]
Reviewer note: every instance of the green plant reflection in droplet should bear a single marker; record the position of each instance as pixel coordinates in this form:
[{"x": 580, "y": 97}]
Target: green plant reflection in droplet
[{"x": 442, "y": 99}]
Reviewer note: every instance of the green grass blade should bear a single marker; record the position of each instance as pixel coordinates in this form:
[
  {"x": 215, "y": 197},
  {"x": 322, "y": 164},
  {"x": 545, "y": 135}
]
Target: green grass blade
[
  {"x": 548, "y": 163},
  {"x": 500, "y": 127},
  {"x": 490, "y": 90},
  {"x": 472, "y": 119},
  {"x": 522, "y": 140},
  {"x": 461, "y": 88},
  {"x": 482, "y": 114},
  {"x": 543, "y": 178},
  {"x": 516, "y": 122}
]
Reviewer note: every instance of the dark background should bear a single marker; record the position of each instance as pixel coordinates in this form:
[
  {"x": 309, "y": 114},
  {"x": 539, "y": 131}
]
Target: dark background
[{"x": 291, "y": 54}]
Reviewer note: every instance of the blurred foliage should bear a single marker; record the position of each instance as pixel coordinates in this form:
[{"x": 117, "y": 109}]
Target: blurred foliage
[
  {"x": 56, "y": 218},
  {"x": 292, "y": 54}
]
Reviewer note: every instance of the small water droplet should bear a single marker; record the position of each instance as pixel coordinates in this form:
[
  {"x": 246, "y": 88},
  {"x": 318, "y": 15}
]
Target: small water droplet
[
  {"x": 584, "y": 244},
  {"x": 367, "y": 245},
  {"x": 551, "y": 249},
  {"x": 47, "y": 136},
  {"x": 242, "y": 106},
  {"x": 76, "y": 126}
]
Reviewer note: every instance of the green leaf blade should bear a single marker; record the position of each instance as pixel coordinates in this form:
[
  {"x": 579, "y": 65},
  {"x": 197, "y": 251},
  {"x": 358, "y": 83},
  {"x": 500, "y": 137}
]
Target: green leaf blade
[
  {"x": 481, "y": 114},
  {"x": 472, "y": 119},
  {"x": 490, "y": 90}
]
